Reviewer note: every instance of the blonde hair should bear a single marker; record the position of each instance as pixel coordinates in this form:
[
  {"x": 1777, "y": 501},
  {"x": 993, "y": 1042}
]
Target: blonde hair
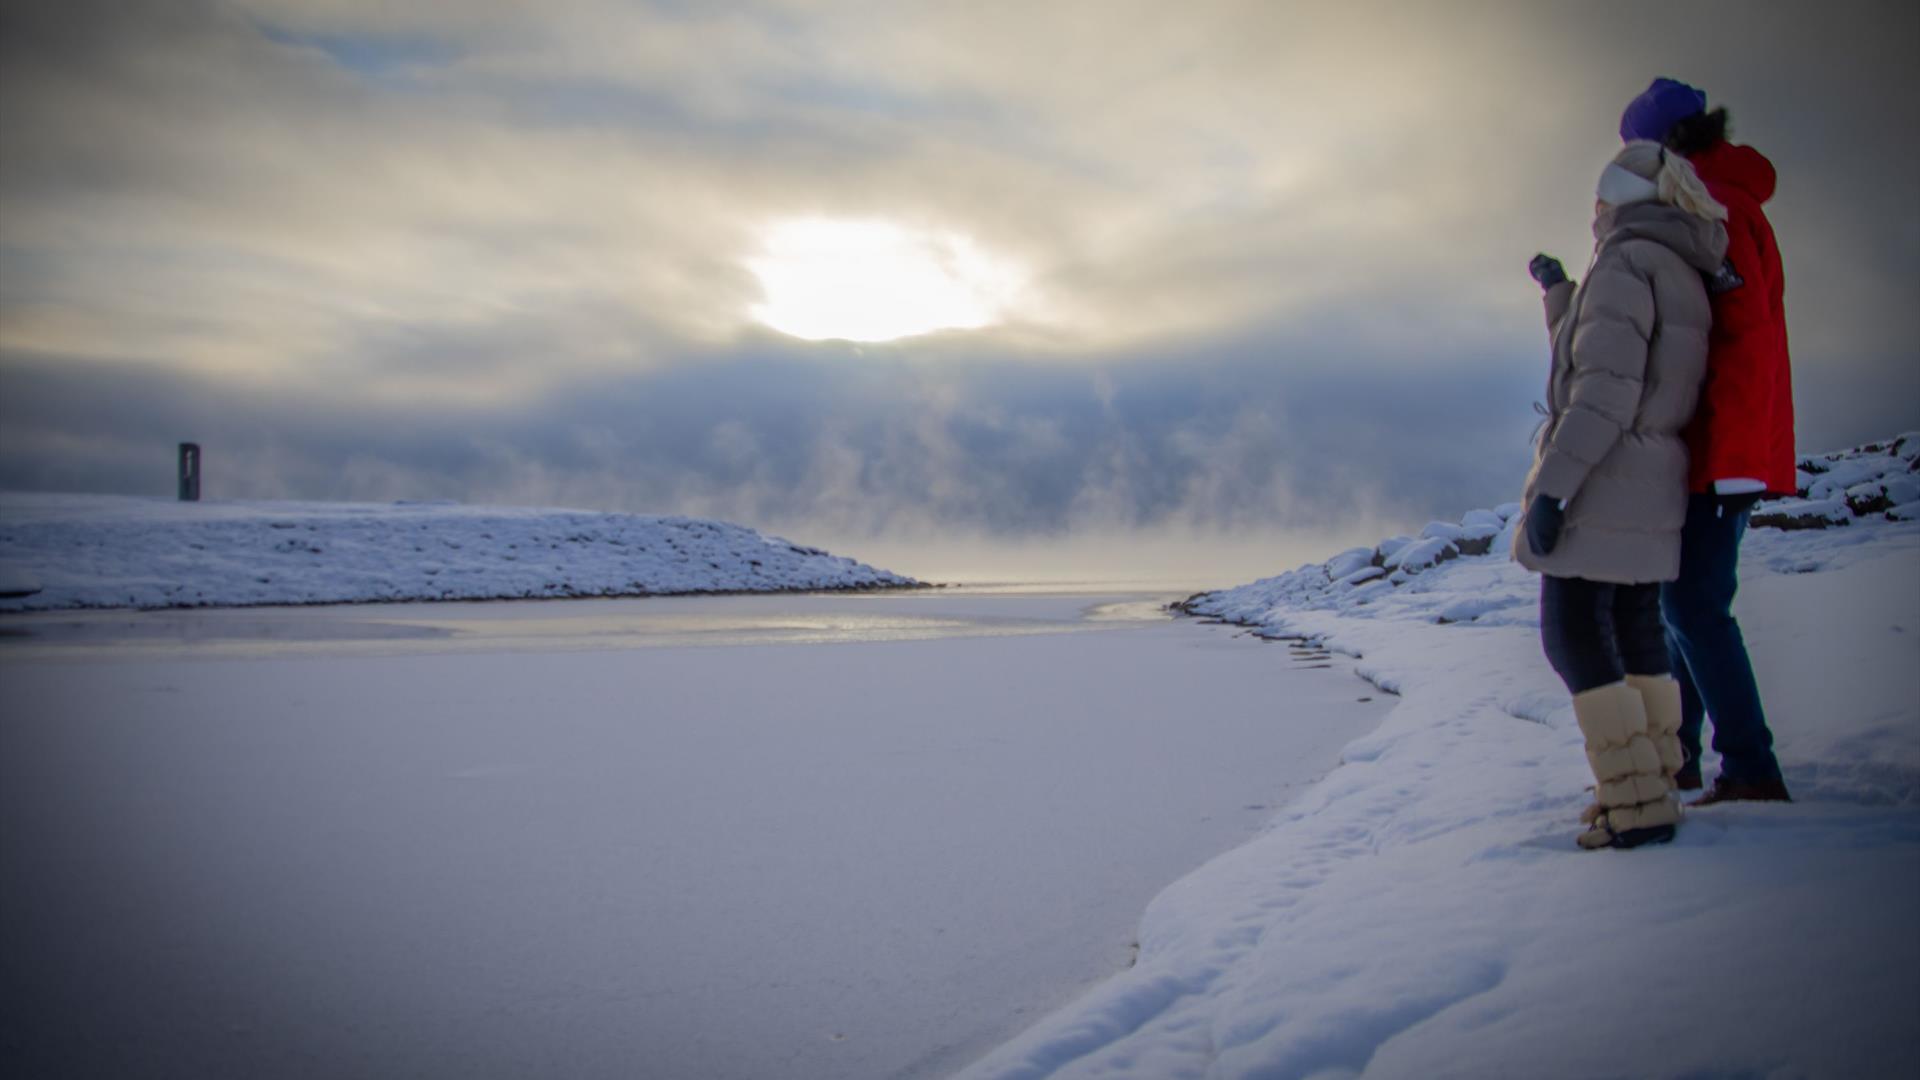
[{"x": 1673, "y": 176}]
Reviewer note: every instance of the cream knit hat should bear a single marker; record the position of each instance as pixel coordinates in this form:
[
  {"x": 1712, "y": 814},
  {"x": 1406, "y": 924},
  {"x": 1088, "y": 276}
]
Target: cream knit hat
[{"x": 1621, "y": 186}]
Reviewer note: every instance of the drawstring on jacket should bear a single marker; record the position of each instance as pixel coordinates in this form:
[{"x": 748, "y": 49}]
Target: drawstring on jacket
[{"x": 1546, "y": 417}]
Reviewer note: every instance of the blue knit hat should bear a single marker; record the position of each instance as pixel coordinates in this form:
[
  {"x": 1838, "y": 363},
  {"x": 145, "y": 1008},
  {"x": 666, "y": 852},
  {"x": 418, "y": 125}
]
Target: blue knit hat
[{"x": 1662, "y": 105}]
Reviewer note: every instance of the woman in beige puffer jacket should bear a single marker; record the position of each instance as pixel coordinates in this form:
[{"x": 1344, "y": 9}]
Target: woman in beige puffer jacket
[{"x": 1607, "y": 494}]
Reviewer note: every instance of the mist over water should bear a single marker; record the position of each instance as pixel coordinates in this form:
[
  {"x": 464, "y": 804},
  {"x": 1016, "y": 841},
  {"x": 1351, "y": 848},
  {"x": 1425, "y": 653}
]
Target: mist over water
[{"x": 1142, "y": 560}]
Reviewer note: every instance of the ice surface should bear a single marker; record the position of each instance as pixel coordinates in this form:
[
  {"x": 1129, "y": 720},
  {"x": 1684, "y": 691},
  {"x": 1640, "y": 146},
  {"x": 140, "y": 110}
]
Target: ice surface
[{"x": 548, "y": 839}]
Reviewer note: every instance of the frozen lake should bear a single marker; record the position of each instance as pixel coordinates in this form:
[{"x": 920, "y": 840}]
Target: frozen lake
[{"x": 796, "y": 836}]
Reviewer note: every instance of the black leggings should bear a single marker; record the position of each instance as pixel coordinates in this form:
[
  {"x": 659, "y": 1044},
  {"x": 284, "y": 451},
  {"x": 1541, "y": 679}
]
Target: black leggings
[{"x": 1596, "y": 633}]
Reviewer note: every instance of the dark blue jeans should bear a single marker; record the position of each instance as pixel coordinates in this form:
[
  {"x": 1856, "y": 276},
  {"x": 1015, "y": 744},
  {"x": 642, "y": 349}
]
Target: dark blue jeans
[{"x": 1709, "y": 655}]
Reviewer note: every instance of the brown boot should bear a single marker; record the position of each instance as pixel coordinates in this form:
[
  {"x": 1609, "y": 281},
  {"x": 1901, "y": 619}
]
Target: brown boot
[{"x": 1725, "y": 790}]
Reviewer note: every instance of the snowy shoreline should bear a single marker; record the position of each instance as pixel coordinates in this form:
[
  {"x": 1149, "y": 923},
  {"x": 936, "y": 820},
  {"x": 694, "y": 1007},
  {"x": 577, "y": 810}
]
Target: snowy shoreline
[
  {"x": 64, "y": 552},
  {"x": 1423, "y": 911}
]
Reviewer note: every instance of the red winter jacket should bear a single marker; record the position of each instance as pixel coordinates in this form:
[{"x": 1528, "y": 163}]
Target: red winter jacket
[{"x": 1744, "y": 424}]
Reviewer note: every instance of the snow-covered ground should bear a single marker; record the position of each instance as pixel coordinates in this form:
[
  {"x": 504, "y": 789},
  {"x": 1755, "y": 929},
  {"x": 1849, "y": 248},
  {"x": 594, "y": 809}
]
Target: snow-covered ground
[
  {"x": 873, "y": 836},
  {"x": 81, "y": 551},
  {"x": 1423, "y": 912}
]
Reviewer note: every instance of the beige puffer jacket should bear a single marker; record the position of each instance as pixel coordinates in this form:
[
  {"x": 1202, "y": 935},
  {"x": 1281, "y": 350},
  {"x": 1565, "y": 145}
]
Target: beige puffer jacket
[{"x": 1629, "y": 351}]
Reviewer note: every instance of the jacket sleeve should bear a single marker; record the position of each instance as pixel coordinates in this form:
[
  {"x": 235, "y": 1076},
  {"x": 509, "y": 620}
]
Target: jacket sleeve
[
  {"x": 1747, "y": 400},
  {"x": 1557, "y": 300},
  {"x": 1608, "y": 366}
]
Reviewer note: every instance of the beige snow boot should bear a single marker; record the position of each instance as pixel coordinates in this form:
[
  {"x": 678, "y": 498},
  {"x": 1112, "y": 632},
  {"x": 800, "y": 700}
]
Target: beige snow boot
[
  {"x": 1661, "y": 695},
  {"x": 1635, "y": 804}
]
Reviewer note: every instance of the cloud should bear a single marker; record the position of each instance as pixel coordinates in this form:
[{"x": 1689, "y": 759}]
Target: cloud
[
  {"x": 1231, "y": 440},
  {"x": 485, "y": 251}
]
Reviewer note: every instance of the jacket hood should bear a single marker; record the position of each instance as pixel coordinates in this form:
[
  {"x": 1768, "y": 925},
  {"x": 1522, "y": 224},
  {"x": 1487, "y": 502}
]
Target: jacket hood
[
  {"x": 1741, "y": 167},
  {"x": 1702, "y": 242}
]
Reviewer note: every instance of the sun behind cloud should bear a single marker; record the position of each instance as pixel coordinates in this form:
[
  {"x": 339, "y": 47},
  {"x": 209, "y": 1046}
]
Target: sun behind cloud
[{"x": 875, "y": 281}]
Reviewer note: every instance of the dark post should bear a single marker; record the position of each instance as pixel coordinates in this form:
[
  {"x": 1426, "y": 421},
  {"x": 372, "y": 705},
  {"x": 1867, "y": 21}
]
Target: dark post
[{"x": 189, "y": 472}]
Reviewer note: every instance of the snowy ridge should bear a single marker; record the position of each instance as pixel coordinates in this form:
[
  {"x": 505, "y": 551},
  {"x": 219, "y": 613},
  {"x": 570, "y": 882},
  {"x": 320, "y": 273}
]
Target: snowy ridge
[
  {"x": 95, "y": 551},
  {"x": 1867, "y": 485},
  {"x": 1424, "y": 912}
]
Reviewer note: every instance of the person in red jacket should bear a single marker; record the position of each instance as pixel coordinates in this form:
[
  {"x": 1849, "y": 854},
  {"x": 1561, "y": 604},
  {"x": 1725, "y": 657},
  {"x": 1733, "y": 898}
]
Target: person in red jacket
[{"x": 1740, "y": 445}]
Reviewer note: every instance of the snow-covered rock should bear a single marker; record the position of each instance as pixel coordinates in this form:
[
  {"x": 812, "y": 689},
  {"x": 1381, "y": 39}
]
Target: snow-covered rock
[
  {"x": 1391, "y": 546},
  {"x": 93, "y": 551},
  {"x": 1361, "y": 576},
  {"x": 1802, "y": 514},
  {"x": 1343, "y": 565},
  {"x": 1882, "y": 494},
  {"x": 1869, "y": 479},
  {"x": 1422, "y": 554},
  {"x": 1847, "y": 472}
]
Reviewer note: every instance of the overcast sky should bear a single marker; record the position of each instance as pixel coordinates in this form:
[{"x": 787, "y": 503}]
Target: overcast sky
[{"x": 1265, "y": 261}]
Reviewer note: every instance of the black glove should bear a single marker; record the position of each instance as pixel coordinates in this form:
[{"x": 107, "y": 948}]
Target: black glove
[
  {"x": 1544, "y": 519},
  {"x": 1547, "y": 271}
]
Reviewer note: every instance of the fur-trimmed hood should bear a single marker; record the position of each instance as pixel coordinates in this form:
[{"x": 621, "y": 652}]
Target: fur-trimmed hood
[
  {"x": 1741, "y": 167},
  {"x": 1700, "y": 241}
]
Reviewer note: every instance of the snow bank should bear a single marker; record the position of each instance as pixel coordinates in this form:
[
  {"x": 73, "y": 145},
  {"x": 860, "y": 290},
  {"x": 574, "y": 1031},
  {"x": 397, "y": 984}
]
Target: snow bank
[
  {"x": 91, "y": 551},
  {"x": 1423, "y": 911}
]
